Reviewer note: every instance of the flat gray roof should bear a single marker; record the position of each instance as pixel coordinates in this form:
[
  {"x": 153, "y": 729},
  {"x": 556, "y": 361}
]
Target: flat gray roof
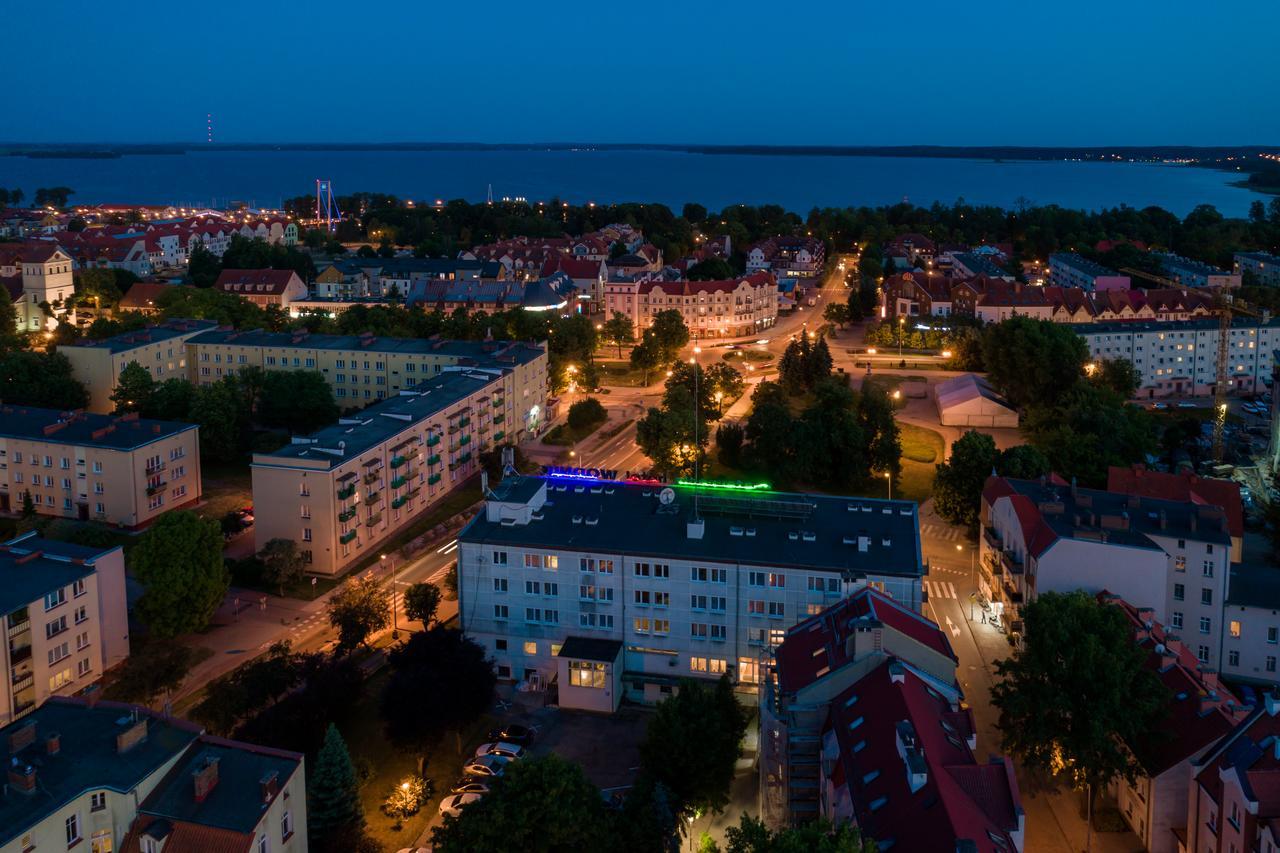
[
  {"x": 85, "y": 429},
  {"x": 478, "y": 352}
]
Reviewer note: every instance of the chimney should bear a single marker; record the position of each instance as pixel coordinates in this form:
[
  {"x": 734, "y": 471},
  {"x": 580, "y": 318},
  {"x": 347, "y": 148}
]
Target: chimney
[
  {"x": 22, "y": 738},
  {"x": 1207, "y": 702},
  {"x": 269, "y": 785},
  {"x": 205, "y": 776},
  {"x": 131, "y": 737},
  {"x": 897, "y": 674},
  {"x": 1167, "y": 657},
  {"x": 1173, "y": 643},
  {"x": 52, "y": 743},
  {"x": 22, "y": 777},
  {"x": 1209, "y": 677}
]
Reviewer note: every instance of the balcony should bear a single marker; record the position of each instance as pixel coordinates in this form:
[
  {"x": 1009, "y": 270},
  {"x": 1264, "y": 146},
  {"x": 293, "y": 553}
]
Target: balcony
[
  {"x": 370, "y": 478},
  {"x": 497, "y": 436},
  {"x": 373, "y": 519},
  {"x": 373, "y": 499},
  {"x": 348, "y": 536},
  {"x": 346, "y": 515},
  {"x": 397, "y": 461},
  {"x": 433, "y": 459},
  {"x": 433, "y": 479},
  {"x": 464, "y": 441},
  {"x": 23, "y": 682},
  {"x": 155, "y": 468},
  {"x": 156, "y": 489},
  {"x": 993, "y": 541},
  {"x": 433, "y": 440},
  {"x": 396, "y": 503},
  {"x": 1010, "y": 562},
  {"x": 344, "y": 494},
  {"x": 498, "y": 403},
  {"x": 497, "y": 419},
  {"x": 398, "y": 482},
  {"x": 463, "y": 421}
]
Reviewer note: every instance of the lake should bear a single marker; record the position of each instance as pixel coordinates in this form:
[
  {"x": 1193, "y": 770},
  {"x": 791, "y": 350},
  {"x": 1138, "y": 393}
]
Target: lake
[{"x": 264, "y": 178}]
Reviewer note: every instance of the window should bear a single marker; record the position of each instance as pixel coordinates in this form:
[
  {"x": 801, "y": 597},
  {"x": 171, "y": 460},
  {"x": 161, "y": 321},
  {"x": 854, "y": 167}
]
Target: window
[
  {"x": 56, "y": 627},
  {"x": 286, "y": 826},
  {"x": 82, "y": 641},
  {"x": 83, "y": 668},
  {"x": 661, "y": 570},
  {"x": 718, "y": 633},
  {"x": 662, "y": 626},
  {"x": 1272, "y": 635},
  {"x": 1234, "y": 627},
  {"x": 53, "y": 599},
  {"x": 662, "y": 599},
  {"x": 717, "y": 604},
  {"x": 641, "y": 570},
  {"x": 697, "y": 664},
  {"x": 776, "y": 609},
  {"x": 264, "y": 846},
  {"x": 1271, "y": 663},
  {"x": 586, "y": 564},
  {"x": 532, "y": 561},
  {"x": 500, "y": 611},
  {"x": 1208, "y": 567},
  {"x": 306, "y": 534},
  {"x": 1202, "y": 654},
  {"x": 59, "y": 679},
  {"x": 73, "y": 829},
  {"x": 532, "y": 587},
  {"x": 755, "y": 607},
  {"x": 1233, "y": 658},
  {"x": 643, "y": 597},
  {"x": 642, "y": 626},
  {"x": 585, "y": 673},
  {"x": 605, "y": 567},
  {"x": 777, "y": 581},
  {"x": 97, "y": 801},
  {"x": 824, "y": 585},
  {"x": 756, "y": 579},
  {"x": 550, "y": 562},
  {"x": 1175, "y": 619},
  {"x": 81, "y": 614},
  {"x": 499, "y": 558},
  {"x": 499, "y": 584},
  {"x": 1206, "y": 596},
  {"x": 1180, "y": 564},
  {"x": 697, "y": 602},
  {"x": 1179, "y": 592}
]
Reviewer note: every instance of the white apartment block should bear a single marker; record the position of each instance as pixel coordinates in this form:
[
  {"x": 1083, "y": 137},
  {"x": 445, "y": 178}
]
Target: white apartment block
[
  {"x": 343, "y": 490},
  {"x": 64, "y": 614},
  {"x": 1180, "y": 358},
  {"x": 691, "y": 581},
  {"x": 121, "y": 470}
]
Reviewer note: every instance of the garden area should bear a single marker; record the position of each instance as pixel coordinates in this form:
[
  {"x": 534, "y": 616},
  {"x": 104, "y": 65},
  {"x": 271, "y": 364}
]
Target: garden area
[{"x": 584, "y": 418}]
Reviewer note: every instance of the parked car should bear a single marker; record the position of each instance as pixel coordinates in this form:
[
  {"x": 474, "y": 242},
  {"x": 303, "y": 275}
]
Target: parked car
[
  {"x": 1186, "y": 405},
  {"x": 519, "y": 735},
  {"x": 1159, "y": 405},
  {"x": 454, "y": 803},
  {"x": 469, "y": 786},
  {"x": 487, "y": 767},
  {"x": 506, "y": 750}
]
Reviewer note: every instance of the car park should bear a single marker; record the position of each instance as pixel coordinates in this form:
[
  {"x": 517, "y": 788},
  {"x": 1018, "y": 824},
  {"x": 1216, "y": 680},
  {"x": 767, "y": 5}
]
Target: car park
[
  {"x": 455, "y": 803},
  {"x": 506, "y": 750},
  {"x": 487, "y": 767},
  {"x": 469, "y": 786},
  {"x": 516, "y": 734}
]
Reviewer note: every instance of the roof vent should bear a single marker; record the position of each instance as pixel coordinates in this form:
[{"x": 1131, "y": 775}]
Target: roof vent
[
  {"x": 735, "y": 531},
  {"x": 906, "y": 510},
  {"x": 886, "y": 543},
  {"x": 577, "y": 519},
  {"x": 592, "y": 521},
  {"x": 751, "y": 531},
  {"x": 887, "y": 510},
  {"x": 809, "y": 536},
  {"x": 852, "y": 507}
]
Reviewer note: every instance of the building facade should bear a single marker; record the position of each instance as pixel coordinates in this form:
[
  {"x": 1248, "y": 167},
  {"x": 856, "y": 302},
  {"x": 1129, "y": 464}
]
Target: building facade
[
  {"x": 694, "y": 581},
  {"x": 64, "y": 613},
  {"x": 1189, "y": 273},
  {"x": 263, "y": 288},
  {"x": 1264, "y": 267},
  {"x": 711, "y": 309},
  {"x": 1067, "y": 269},
  {"x": 161, "y": 349},
  {"x": 340, "y": 492},
  {"x": 122, "y": 470}
]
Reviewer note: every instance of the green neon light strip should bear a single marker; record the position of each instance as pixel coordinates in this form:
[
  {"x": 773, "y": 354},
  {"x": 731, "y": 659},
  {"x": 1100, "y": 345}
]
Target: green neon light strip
[{"x": 731, "y": 487}]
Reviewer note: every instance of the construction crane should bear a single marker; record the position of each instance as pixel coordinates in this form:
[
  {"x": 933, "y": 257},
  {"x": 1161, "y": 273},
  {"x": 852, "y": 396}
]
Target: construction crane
[{"x": 1225, "y": 306}]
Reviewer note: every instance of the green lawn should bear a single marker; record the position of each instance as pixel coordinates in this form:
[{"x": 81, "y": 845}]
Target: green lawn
[
  {"x": 620, "y": 373},
  {"x": 389, "y": 764},
  {"x": 563, "y": 435},
  {"x": 748, "y": 354},
  {"x": 224, "y": 488},
  {"x": 920, "y": 444}
]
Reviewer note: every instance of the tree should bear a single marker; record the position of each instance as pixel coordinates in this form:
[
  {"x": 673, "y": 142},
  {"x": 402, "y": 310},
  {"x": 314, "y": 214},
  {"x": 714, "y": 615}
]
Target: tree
[
  {"x": 333, "y": 793},
  {"x": 692, "y": 743},
  {"x": 647, "y": 355},
  {"x": 203, "y": 266},
  {"x": 358, "y": 609},
  {"x": 791, "y": 366},
  {"x": 819, "y": 364},
  {"x": 712, "y": 269},
  {"x": 541, "y": 804},
  {"x": 729, "y": 437},
  {"x": 282, "y": 563},
  {"x": 820, "y": 836},
  {"x": 149, "y": 671},
  {"x": 693, "y": 212},
  {"x": 40, "y": 379},
  {"x": 220, "y": 412},
  {"x": 297, "y": 400},
  {"x": 1117, "y": 374},
  {"x": 1024, "y": 462},
  {"x": 957, "y": 488},
  {"x": 670, "y": 332},
  {"x": 133, "y": 389},
  {"x": 98, "y": 287},
  {"x": 1033, "y": 361},
  {"x": 837, "y": 313},
  {"x": 435, "y": 663},
  {"x": 724, "y": 382},
  {"x": 178, "y": 561},
  {"x": 673, "y": 436},
  {"x": 8, "y": 320},
  {"x": 770, "y": 429},
  {"x": 421, "y": 601},
  {"x": 880, "y": 431},
  {"x": 170, "y": 400},
  {"x": 618, "y": 330},
  {"x": 1078, "y": 697},
  {"x": 585, "y": 414},
  {"x": 52, "y": 196},
  {"x": 248, "y": 689},
  {"x": 833, "y": 447}
]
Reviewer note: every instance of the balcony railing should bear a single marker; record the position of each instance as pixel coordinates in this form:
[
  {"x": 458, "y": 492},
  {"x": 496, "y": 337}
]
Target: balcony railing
[
  {"x": 433, "y": 479},
  {"x": 373, "y": 499},
  {"x": 373, "y": 519},
  {"x": 433, "y": 440},
  {"x": 1011, "y": 563},
  {"x": 497, "y": 419},
  {"x": 346, "y": 515},
  {"x": 464, "y": 441},
  {"x": 156, "y": 489},
  {"x": 498, "y": 403},
  {"x": 348, "y": 536},
  {"x": 343, "y": 494},
  {"x": 433, "y": 459},
  {"x": 396, "y": 503},
  {"x": 992, "y": 540},
  {"x": 497, "y": 436},
  {"x": 398, "y": 482},
  {"x": 397, "y": 461},
  {"x": 155, "y": 468},
  {"x": 463, "y": 421}
]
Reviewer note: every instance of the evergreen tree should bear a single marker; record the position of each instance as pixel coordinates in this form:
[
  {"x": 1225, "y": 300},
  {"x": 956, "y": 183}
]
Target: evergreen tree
[
  {"x": 819, "y": 363},
  {"x": 333, "y": 795}
]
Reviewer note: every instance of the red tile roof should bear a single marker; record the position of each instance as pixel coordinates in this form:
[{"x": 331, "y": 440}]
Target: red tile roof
[
  {"x": 188, "y": 837},
  {"x": 255, "y": 281},
  {"x": 1180, "y": 487},
  {"x": 959, "y": 799},
  {"x": 818, "y": 644}
]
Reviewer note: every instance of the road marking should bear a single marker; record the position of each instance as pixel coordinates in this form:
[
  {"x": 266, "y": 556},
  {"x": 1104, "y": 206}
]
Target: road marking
[
  {"x": 951, "y": 588},
  {"x": 953, "y": 627},
  {"x": 444, "y": 549}
]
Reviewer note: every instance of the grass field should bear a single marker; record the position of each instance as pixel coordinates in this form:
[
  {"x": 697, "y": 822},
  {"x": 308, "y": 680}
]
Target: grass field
[
  {"x": 922, "y": 450},
  {"x": 563, "y": 435},
  {"x": 620, "y": 373}
]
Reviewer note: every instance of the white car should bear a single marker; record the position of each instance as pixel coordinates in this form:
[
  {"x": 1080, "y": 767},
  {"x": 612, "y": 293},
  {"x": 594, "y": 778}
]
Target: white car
[
  {"x": 506, "y": 750},
  {"x": 454, "y": 803},
  {"x": 487, "y": 767},
  {"x": 467, "y": 786}
]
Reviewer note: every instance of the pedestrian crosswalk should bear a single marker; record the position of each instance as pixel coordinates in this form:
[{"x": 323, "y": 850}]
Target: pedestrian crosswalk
[
  {"x": 941, "y": 531},
  {"x": 940, "y": 589}
]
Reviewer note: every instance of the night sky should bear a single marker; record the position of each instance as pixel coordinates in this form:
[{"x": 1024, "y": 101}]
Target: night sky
[{"x": 850, "y": 72}]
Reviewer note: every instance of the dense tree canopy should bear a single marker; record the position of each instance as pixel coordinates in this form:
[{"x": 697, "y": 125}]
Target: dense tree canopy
[{"x": 178, "y": 561}]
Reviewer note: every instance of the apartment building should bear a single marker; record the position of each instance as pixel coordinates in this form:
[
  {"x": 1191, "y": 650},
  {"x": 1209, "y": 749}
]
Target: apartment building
[
  {"x": 1067, "y": 269},
  {"x": 340, "y": 492},
  {"x": 161, "y": 349},
  {"x": 64, "y": 613},
  {"x": 1251, "y": 625},
  {"x": 711, "y": 309},
  {"x": 263, "y": 288},
  {"x": 788, "y": 257},
  {"x": 1198, "y": 713},
  {"x": 692, "y": 580},
  {"x": 122, "y": 470},
  {"x": 820, "y": 657},
  {"x": 1180, "y": 358},
  {"x": 1189, "y": 273},
  {"x": 1235, "y": 788},
  {"x": 1173, "y": 557},
  {"x": 1260, "y": 265},
  {"x": 104, "y": 776}
]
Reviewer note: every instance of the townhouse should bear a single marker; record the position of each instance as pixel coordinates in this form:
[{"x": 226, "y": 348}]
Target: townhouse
[
  {"x": 1263, "y": 267},
  {"x": 1179, "y": 358},
  {"x": 343, "y": 490},
  {"x": 788, "y": 257},
  {"x": 1173, "y": 557},
  {"x": 64, "y": 614},
  {"x": 122, "y": 470},
  {"x": 1189, "y": 273},
  {"x": 1067, "y": 269},
  {"x": 820, "y": 657},
  {"x": 263, "y": 288},
  {"x": 689, "y": 580},
  {"x": 161, "y": 349},
  {"x": 1198, "y": 713},
  {"x": 711, "y": 309},
  {"x": 104, "y": 776}
]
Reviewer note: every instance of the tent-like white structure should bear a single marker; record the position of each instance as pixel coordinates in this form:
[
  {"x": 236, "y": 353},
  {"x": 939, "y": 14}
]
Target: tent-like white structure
[{"x": 968, "y": 401}]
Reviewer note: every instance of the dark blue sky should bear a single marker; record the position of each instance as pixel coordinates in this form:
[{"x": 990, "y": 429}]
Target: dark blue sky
[{"x": 847, "y": 72}]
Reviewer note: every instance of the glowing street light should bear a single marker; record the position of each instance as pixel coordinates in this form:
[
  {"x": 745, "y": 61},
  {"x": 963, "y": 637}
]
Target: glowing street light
[{"x": 888, "y": 476}]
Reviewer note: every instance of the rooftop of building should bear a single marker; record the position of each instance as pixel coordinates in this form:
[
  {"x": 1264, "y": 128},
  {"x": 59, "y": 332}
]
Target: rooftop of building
[
  {"x": 909, "y": 770},
  {"x": 965, "y": 388},
  {"x": 1081, "y": 264},
  {"x": 150, "y": 335},
  {"x": 357, "y": 432},
  {"x": 85, "y": 429},
  {"x": 857, "y": 536},
  {"x": 1209, "y": 324},
  {"x": 819, "y": 644},
  {"x": 976, "y": 263},
  {"x": 1139, "y": 480},
  {"x": 479, "y": 353},
  {"x": 1254, "y": 585},
  {"x": 1178, "y": 262},
  {"x": 237, "y": 801},
  {"x": 89, "y": 755},
  {"x": 1250, "y": 756},
  {"x": 1048, "y": 511},
  {"x": 1198, "y": 711},
  {"x": 1265, "y": 257},
  {"x": 590, "y": 648},
  {"x": 31, "y": 568}
]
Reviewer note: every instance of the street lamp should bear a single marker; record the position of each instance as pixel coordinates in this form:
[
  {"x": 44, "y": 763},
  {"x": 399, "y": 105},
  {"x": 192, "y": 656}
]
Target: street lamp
[
  {"x": 901, "y": 323},
  {"x": 888, "y": 476},
  {"x": 395, "y": 625},
  {"x": 973, "y": 578}
]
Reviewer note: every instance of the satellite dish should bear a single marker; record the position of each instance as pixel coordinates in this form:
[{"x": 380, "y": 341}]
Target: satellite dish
[{"x": 667, "y": 496}]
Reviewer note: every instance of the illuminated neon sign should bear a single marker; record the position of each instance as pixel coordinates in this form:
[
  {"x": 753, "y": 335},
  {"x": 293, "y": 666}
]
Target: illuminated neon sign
[
  {"x": 565, "y": 473},
  {"x": 732, "y": 487}
]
